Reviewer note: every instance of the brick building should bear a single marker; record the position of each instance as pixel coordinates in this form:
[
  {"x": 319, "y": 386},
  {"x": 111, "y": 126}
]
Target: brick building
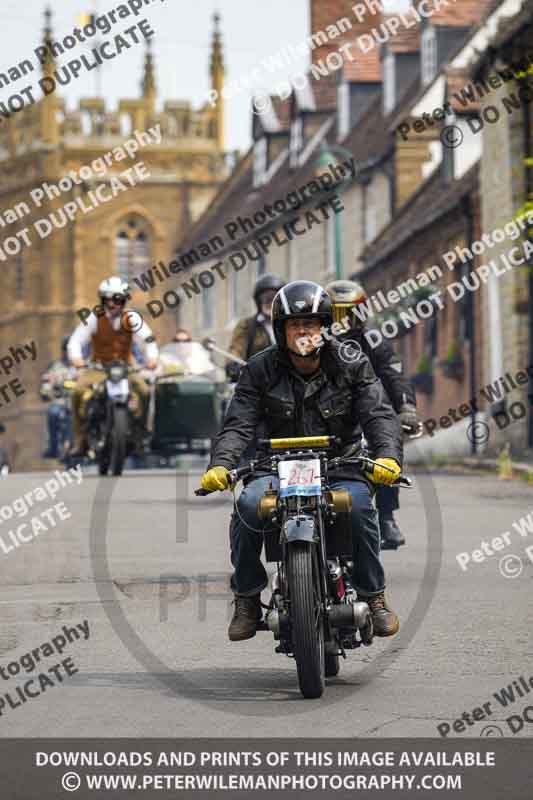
[
  {"x": 416, "y": 196},
  {"x": 506, "y": 184},
  {"x": 44, "y": 284},
  {"x": 435, "y": 208}
]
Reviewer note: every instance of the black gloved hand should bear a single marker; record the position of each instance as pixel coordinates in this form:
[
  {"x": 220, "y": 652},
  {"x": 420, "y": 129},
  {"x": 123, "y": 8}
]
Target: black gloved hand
[
  {"x": 233, "y": 370},
  {"x": 408, "y": 416}
]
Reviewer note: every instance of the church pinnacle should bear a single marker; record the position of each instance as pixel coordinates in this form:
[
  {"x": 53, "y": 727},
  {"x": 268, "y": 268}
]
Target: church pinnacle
[
  {"x": 217, "y": 79},
  {"x": 49, "y": 63},
  {"x": 148, "y": 84}
]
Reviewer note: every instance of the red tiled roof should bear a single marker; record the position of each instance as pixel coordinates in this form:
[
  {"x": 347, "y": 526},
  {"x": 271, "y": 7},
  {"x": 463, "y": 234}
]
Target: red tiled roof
[
  {"x": 406, "y": 40},
  {"x": 365, "y": 67},
  {"x": 461, "y": 14}
]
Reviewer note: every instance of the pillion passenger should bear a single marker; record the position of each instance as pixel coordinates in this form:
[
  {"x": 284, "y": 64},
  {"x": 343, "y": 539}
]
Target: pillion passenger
[{"x": 388, "y": 366}]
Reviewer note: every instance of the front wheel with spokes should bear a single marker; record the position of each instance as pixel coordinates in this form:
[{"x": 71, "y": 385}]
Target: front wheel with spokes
[{"x": 307, "y": 622}]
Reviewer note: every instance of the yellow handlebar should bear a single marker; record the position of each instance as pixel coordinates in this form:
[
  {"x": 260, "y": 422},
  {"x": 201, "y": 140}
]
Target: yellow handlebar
[{"x": 300, "y": 441}]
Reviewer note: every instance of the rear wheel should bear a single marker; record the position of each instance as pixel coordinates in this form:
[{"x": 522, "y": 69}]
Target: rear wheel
[
  {"x": 119, "y": 440},
  {"x": 306, "y": 621}
]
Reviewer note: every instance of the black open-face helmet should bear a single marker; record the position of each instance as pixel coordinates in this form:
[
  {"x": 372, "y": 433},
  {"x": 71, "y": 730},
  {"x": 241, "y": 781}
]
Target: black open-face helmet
[
  {"x": 299, "y": 299},
  {"x": 266, "y": 283}
]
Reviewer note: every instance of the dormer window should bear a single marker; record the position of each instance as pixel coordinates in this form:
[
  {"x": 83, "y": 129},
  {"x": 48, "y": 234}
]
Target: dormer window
[
  {"x": 343, "y": 107},
  {"x": 296, "y": 141},
  {"x": 260, "y": 161},
  {"x": 389, "y": 83},
  {"x": 429, "y": 54}
]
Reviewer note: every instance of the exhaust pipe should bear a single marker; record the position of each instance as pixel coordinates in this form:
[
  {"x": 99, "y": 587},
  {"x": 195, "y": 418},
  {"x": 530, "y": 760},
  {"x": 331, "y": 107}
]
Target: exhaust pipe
[{"x": 349, "y": 615}]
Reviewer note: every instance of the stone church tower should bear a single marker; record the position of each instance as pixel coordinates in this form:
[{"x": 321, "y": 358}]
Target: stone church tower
[{"x": 44, "y": 283}]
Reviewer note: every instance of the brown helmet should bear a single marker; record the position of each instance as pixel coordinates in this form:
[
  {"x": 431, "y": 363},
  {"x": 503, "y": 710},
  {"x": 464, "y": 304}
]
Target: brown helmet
[{"x": 345, "y": 296}]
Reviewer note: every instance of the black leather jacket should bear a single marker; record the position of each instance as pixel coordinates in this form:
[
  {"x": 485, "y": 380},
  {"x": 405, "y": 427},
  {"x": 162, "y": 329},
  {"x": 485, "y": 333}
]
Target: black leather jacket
[{"x": 272, "y": 400}]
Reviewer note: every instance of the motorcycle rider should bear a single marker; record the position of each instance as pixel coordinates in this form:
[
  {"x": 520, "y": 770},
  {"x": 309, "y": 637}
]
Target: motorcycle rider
[
  {"x": 56, "y": 373},
  {"x": 296, "y": 394},
  {"x": 345, "y": 297},
  {"x": 253, "y": 334},
  {"x": 109, "y": 333}
]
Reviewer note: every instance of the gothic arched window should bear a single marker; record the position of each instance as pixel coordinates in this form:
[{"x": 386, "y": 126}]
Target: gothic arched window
[{"x": 132, "y": 247}]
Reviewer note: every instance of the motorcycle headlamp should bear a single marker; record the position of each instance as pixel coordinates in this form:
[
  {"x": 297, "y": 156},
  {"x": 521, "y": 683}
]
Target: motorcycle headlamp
[{"x": 116, "y": 374}]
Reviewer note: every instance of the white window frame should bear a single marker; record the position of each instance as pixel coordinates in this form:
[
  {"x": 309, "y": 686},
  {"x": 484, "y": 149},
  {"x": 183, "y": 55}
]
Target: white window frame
[
  {"x": 343, "y": 107},
  {"x": 371, "y": 215},
  {"x": 130, "y": 262},
  {"x": 389, "y": 83},
  {"x": 296, "y": 141},
  {"x": 208, "y": 309},
  {"x": 260, "y": 161},
  {"x": 428, "y": 54}
]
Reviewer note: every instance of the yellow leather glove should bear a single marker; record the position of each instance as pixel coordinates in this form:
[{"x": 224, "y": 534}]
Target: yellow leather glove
[
  {"x": 380, "y": 475},
  {"x": 216, "y": 478}
]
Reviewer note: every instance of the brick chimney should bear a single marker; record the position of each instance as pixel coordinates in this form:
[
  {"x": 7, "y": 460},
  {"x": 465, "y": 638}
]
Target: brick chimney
[{"x": 362, "y": 17}]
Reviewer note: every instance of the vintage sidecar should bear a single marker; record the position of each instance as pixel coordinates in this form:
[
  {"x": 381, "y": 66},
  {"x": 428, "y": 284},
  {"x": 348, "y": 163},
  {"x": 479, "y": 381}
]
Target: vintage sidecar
[{"x": 187, "y": 400}]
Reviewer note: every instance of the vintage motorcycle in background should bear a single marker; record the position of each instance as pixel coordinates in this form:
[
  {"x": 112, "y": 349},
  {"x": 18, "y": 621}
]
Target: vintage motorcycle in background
[
  {"x": 113, "y": 429},
  {"x": 314, "y": 612}
]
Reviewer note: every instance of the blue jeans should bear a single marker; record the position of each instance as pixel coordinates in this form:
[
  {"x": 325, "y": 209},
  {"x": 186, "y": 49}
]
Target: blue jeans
[
  {"x": 59, "y": 427},
  {"x": 246, "y": 539}
]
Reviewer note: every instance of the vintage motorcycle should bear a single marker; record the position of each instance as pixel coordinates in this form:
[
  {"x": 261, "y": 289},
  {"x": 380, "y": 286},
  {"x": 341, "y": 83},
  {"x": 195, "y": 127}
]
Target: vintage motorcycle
[
  {"x": 314, "y": 612},
  {"x": 113, "y": 431}
]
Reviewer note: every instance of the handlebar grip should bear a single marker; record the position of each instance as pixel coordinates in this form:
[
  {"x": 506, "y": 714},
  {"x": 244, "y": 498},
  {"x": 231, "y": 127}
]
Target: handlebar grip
[
  {"x": 240, "y": 472},
  {"x": 407, "y": 483},
  {"x": 201, "y": 492}
]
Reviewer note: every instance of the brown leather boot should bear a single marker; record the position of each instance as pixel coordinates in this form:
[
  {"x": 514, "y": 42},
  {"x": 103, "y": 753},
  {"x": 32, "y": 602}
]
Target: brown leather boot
[
  {"x": 386, "y": 622},
  {"x": 245, "y": 617}
]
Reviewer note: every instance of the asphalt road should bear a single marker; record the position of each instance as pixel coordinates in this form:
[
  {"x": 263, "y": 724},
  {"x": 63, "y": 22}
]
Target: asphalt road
[{"x": 147, "y": 565}]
